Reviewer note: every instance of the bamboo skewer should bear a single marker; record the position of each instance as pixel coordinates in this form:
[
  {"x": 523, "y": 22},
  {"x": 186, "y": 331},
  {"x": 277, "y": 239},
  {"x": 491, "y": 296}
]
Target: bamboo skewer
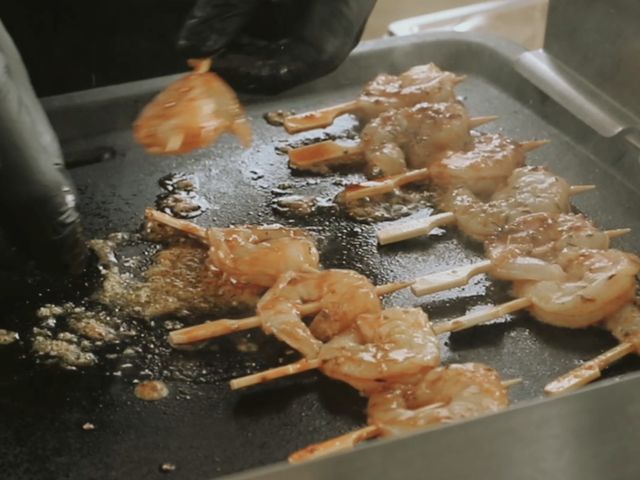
[
  {"x": 588, "y": 371},
  {"x": 217, "y": 328},
  {"x": 379, "y": 187},
  {"x": 351, "y": 439},
  {"x": 327, "y": 152},
  {"x": 318, "y": 118},
  {"x": 404, "y": 230},
  {"x": 460, "y": 323},
  {"x": 460, "y": 276},
  {"x": 385, "y": 185},
  {"x": 324, "y": 117}
]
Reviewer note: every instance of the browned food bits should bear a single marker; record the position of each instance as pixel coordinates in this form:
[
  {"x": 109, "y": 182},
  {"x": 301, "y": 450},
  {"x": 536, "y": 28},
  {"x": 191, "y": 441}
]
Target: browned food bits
[{"x": 151, "y": 390}]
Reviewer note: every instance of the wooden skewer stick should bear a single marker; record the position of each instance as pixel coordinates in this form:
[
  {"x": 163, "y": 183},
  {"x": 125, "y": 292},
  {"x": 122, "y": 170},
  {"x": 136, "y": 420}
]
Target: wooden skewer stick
[
  {"x": 588, "y": 371},
  {"x": 351, "y": 439},
  {"x": 217, "y": 328},
  {"x": 318, "y": 118},
  {"x": 330, "y": 151},
  {"x": 173, "y": 222},
  {"x": 460, "y": 323},
  {"x": 460, "y": 276},
  {"x": 384, "y": 185},
  {"x": 323, "y": 153},
  {"x": 404, "y": 230},
  {"x": 379, "y": 187},
  {"x": 326, "y": 116}
]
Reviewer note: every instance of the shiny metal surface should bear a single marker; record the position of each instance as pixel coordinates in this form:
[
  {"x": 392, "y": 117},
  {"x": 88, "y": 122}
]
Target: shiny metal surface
[
  {"x": 590, "y": 63},
  {"x": 591, "y": 435}
]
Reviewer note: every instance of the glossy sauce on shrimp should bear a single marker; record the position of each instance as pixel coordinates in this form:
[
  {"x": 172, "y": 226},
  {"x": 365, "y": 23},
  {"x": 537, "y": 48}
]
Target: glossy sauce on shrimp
[
  {"x": 260, "y": 255},
  {"x": 394, "y": 346},
  {"x": 444, "y": 395},
  {"x": 597, "y": 284},
  {"x": 422, "y": 83},
  {"x": 191, "y": 113},
  {"x": 413, "y": 137},
  {"x": 527, "y": 248},
  {"x": 343, "y": 295},
  {"x": 528, "y": 190},
  {"x": 484, "y": 168}
]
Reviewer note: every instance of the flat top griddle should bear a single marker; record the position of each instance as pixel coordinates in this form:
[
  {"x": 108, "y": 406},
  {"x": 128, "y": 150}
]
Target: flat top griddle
[{"x": 202, "y": 427}]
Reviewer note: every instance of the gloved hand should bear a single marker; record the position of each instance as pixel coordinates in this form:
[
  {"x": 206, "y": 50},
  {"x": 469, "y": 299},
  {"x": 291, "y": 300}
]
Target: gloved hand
[
  {"x": 268, "y": 46},
  {"x": 37, "y": 199}
]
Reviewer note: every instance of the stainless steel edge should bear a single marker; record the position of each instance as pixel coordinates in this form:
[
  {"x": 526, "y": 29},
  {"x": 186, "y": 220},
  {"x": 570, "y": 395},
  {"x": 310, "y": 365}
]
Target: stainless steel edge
[
  {"x": 581, "y": 98},
  {"x": 590, "y": 435}
]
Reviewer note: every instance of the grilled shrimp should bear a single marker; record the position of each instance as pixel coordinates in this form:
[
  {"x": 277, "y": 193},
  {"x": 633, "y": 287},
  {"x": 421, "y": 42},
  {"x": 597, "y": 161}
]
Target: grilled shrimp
[
  {"x": 625, "y": 324},
  {"x": 597, "y": 284},
  {"x": 444, "y": 395},
  {"x": 527, "y": 248},
  {"x": 413, "y": 137},
  {"x": 343, "y": 295},
  {"x": 422, "y": 83},
  {"x": 482, "y": 169},
  {"x": 528, "y": 190},
  {"x": 255, "y": 255},
  {"x": 378, "y": 349},
  {"x": 191, "y": 113},
  {"x": 260, "y": 255}
]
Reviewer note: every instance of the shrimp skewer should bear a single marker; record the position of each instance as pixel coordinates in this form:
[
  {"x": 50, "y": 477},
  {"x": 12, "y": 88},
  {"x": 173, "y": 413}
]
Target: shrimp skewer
[
  {"x": 482, "y": 169},
  {"x": 252, "y": 255},
  {"x": 191, "y": 113},
  {"x": 388, "y": 144},
  {"x": 625, "y": 326},
  {"x": 528, "y": 190},
  {"x": 377, "y": 350},
  {"x": 525, "y": 249},
  {"x": 598, "y": 283},
  {"x": 460, "y": 323},
  {"x": 422, "y": 83},
  {"x": 219, "y": 328},
  {"x": 443, "y": 395}
]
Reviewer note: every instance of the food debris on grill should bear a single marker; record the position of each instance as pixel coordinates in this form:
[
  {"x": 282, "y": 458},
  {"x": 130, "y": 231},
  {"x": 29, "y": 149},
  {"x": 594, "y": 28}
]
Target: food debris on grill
[
  {"x": 389, "y": 206},
  {"x": 151, "y": 390},
  {"x": 7, "y": 337},
  {"x": 182, "y": 204},
  {"x": 65, "y": 348},
  {"x": 276, "y": 118},
  {"x": 167, "y": 467},
  {"x": 177, "y": 282},
  {"x": 87, "y": 427},
  {"x": 179, "y": 182},
  {"x": 180, "y": 197}
]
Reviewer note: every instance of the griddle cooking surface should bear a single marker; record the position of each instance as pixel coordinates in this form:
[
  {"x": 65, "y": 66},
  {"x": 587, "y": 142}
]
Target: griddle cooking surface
[{"x": 207, "y": 430}]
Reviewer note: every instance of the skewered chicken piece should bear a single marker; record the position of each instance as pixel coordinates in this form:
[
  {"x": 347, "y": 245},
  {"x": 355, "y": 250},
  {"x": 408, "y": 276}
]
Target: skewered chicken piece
[
  {"x": 397, "y": 140},
  {"x": 525, "y": 249},
  {"x": 191, "y": 113},
  {"x": 482, "y": 169},
  {"x": 444, "y": 395},
  {"x": 256, "y": 255},
  {"x": 625, "y": 326},
  {"x": 398, "y": 343},
  {"x": 341, "y": 288},
  {"x": 422, "y": 83},
  {"x": 528, "y": 190}
]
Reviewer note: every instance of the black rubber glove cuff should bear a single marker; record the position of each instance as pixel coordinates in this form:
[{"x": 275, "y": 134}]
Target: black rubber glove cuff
[{"x": 37, "y": 197}]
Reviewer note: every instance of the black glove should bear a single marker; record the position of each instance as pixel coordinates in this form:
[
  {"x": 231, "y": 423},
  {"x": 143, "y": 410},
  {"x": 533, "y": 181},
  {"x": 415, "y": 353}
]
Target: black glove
[
  {"x": 37, "y": 199},
  {"x": 268, "y": 46}
]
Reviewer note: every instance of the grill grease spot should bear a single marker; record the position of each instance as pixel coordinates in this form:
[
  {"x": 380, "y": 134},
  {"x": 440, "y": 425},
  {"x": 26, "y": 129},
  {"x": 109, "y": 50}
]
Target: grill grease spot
[{"x": 151, "y": 390}]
